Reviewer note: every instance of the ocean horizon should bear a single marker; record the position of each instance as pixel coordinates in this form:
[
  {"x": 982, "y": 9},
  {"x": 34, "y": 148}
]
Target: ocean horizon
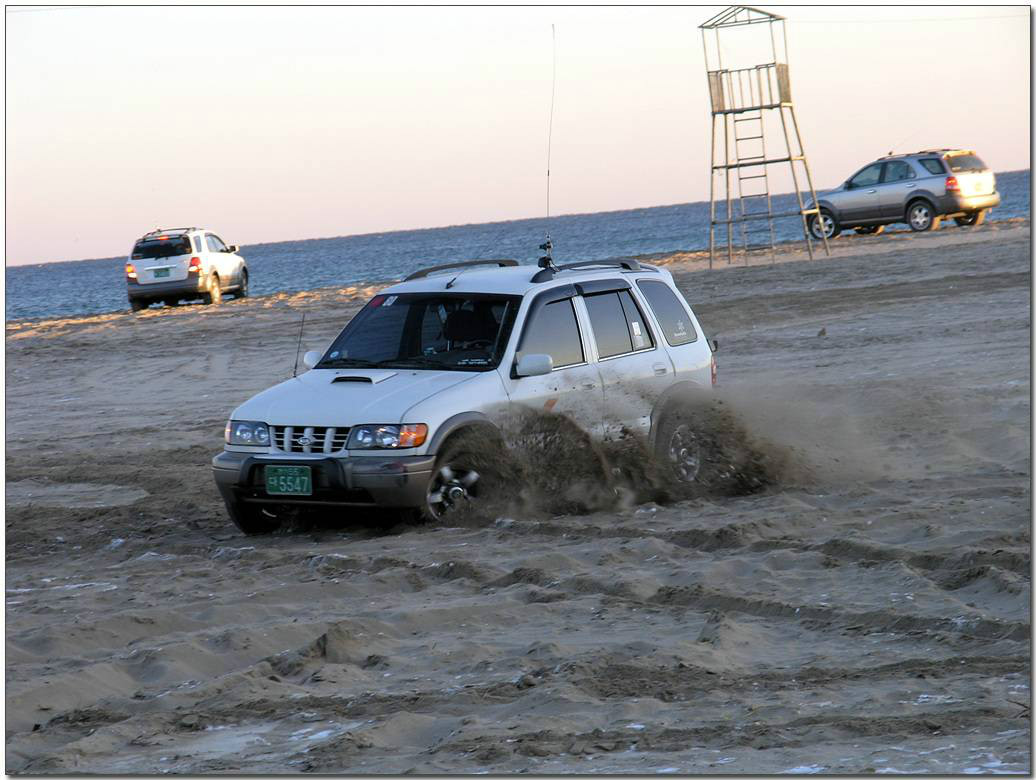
[{"x": 97, "y": 285}]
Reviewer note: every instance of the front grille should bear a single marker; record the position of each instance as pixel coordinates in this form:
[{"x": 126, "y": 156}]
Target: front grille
[{"x": 286, "y": 438}]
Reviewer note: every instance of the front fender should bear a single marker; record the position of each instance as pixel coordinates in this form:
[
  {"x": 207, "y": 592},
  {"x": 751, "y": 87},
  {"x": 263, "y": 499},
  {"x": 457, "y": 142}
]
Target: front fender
[{"x": 453, "y": 424}]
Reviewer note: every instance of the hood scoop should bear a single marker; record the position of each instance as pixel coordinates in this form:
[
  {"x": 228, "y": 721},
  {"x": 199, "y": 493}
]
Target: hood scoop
[{"x": 370, "y": 379}]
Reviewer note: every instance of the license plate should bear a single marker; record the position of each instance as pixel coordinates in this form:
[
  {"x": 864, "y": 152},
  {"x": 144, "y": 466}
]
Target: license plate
[
  {"x": 289, "y": 481},
  {"x": 161, "y": 272}
]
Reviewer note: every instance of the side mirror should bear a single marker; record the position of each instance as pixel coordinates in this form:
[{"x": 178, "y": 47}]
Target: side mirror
[
  {"x": 311, "y": 358},
  {"x": 233, "y": 249},
  {"x": 715, "y": 345},
  {"x": 848, "y": 185},
  {"x": 534, "y": 365}
]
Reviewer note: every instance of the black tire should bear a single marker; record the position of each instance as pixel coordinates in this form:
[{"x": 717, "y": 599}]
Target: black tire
[
  {"x": 922, "y": 217},
  {"x": 252, "y": 520},
  {"x": 871, "y": 230},
  {"x": 136, "y": 306},
  {"x": 242, "y": 291},
  {"x": 469, "y": 477},
  {"x": 213, "y": 293},
  {"x": 680, "y": 449},
  {"x": 172, "y": 302},
  {"x": 974, "y": 219},
  {"x": 831, "y": 225}
]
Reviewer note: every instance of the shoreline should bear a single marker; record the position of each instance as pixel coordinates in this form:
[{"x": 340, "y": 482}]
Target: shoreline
[{"x": 693, "y": 260}]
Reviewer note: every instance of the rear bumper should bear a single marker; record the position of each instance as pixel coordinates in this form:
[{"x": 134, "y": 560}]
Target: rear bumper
[
  {"x": 954, "y": 204},
  {"x": 193, "y": 285},
  {"x": 360, "y": 481}
]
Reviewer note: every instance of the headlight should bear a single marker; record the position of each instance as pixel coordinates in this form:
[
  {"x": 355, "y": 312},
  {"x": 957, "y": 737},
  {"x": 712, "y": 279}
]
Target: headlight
[
  {"x": 387, "y": 437},
  {"x": 254, "y": 434}
]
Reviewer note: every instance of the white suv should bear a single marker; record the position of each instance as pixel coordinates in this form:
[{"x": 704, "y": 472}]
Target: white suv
[
  {"x": 183, "y": 263},
  {"x": 389, "y": 413}
]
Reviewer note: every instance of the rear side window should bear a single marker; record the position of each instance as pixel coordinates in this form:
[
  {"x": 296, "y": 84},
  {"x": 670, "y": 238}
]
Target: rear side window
[
  {"x": 932, "y": 166},
  {"x": 670, "y": 313},
  {"x": 156, "y": 248},
  {"x": 960, "y": 163},
  {"x": 608, "y": 319},
  {"x": 197, "y": 244},
  {"x": 897, "y": 170},
  {"x": 554, "y": 331}
]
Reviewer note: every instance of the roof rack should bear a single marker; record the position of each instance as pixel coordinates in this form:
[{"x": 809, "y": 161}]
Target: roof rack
[
  {"x": 548, "y": 273},
  {"x": 465, "y": 264},
  {"x": 170, "y": 230}
]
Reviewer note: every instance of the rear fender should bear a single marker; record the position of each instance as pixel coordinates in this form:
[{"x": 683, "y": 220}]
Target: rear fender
[{"x": 682, "y": 393}]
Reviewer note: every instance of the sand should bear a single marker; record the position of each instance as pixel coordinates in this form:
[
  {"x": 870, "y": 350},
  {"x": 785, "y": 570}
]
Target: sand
[{"x": 867, "y": 612}]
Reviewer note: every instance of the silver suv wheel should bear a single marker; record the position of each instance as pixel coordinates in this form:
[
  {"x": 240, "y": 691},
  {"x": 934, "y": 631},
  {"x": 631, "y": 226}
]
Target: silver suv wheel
[
  {"x": 685, "y": 453},
  {"x": 823, "y": 226},
  {"x": 920, "y": 216}
]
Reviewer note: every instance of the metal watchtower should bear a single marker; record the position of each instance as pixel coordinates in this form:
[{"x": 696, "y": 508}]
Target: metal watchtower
[{"x": 747, "y": 99}]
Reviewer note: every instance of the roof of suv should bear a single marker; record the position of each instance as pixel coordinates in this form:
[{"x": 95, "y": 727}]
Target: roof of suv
[
  {"x": 514, "y": 280},
  {"x": 927, "y": 153}
]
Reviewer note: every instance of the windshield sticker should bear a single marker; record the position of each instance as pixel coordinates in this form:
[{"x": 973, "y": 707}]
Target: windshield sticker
[
  {"x": 390, "y": 300},
  {"x": 333, "y": 355},
  {"x": 474, "y": 362}
]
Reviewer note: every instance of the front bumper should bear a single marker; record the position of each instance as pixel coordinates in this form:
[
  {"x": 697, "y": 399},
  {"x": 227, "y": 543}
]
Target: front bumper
[
  {"x": 358, "y": 481},
  {"x": 193, "y": 286},
  {"x": 954, "y": 204}
]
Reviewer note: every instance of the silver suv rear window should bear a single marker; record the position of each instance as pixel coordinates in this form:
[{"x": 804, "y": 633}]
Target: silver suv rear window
[
  {"x": 960, "y": 163},
  {"x": 154, "y": 248}
]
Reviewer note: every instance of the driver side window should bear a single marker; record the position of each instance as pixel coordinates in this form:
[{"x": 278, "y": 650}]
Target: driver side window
[{"x": 868, "y": 177}]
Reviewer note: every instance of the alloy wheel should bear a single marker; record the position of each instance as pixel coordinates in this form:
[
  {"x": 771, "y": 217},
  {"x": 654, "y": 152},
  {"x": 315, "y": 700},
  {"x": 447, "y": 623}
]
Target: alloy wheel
[
  {"x": 920, "y": 216},
  {"x": 685, "y": 453},
  {"x": 450, "y": 488},
  {"x": 823, "y": 226}
]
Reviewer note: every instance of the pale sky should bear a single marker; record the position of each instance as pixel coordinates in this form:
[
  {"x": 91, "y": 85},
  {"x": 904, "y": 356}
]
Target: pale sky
[{"x": 268, "y": 124}]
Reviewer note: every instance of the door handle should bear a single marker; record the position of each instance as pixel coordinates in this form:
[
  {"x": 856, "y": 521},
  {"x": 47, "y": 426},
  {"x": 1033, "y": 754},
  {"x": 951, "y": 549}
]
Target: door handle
[
  {"x": 871, "y": 191},
  {"x": 589, "y": 386},
  {"x": 909, "y": 186},
  {"x": 660, "y": 369}
]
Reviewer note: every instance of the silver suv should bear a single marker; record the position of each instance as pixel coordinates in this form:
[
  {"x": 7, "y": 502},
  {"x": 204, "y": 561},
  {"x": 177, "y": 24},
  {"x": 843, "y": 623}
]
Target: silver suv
[
  {"x": 919, "y": 188},
  {"x": 183, "y": 263},
  {"x": 395, "y": 412}
]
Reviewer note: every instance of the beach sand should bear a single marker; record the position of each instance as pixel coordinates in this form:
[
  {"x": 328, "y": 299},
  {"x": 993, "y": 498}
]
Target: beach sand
[{"x": 869, "y": 612}]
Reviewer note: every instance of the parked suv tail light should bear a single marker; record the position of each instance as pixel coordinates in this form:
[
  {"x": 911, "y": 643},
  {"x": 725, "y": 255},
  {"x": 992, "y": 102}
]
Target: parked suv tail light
[
  {"x": 952, "y": 185},
  {"x": 131, "y": 271},
  {"x": 195, "y": 265}
]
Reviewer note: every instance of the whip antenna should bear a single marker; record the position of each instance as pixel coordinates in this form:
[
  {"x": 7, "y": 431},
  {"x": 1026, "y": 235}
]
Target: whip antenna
[
  {"x": 547, "y": 261},
  {"x": 298, "y": 349}
]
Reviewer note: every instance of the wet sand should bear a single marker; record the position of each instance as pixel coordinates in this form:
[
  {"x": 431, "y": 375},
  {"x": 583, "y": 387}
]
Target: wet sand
[{"x": 867, "y": 613}]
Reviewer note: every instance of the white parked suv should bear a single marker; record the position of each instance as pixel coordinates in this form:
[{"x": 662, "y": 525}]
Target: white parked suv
[
  {"x": 182, "y": 264},
  {"x": 388, "y": 414}
]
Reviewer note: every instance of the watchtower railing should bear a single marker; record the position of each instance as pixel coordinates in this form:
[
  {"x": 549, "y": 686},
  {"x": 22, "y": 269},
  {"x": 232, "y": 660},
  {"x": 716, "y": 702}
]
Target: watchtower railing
[{"x": 749, "y": 89}]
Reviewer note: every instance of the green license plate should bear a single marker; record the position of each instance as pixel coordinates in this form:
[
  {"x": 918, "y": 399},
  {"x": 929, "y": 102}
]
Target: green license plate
[
  {"x": 161, "y": 272},
  {"x": 289, "y": 481}
]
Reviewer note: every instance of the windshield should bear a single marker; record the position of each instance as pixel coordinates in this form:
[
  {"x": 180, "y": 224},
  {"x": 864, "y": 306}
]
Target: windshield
[
  {"x": 149, "y": 249},
  {"x": 960, "y": 163},
  {"x": 438, "y": 331}
]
